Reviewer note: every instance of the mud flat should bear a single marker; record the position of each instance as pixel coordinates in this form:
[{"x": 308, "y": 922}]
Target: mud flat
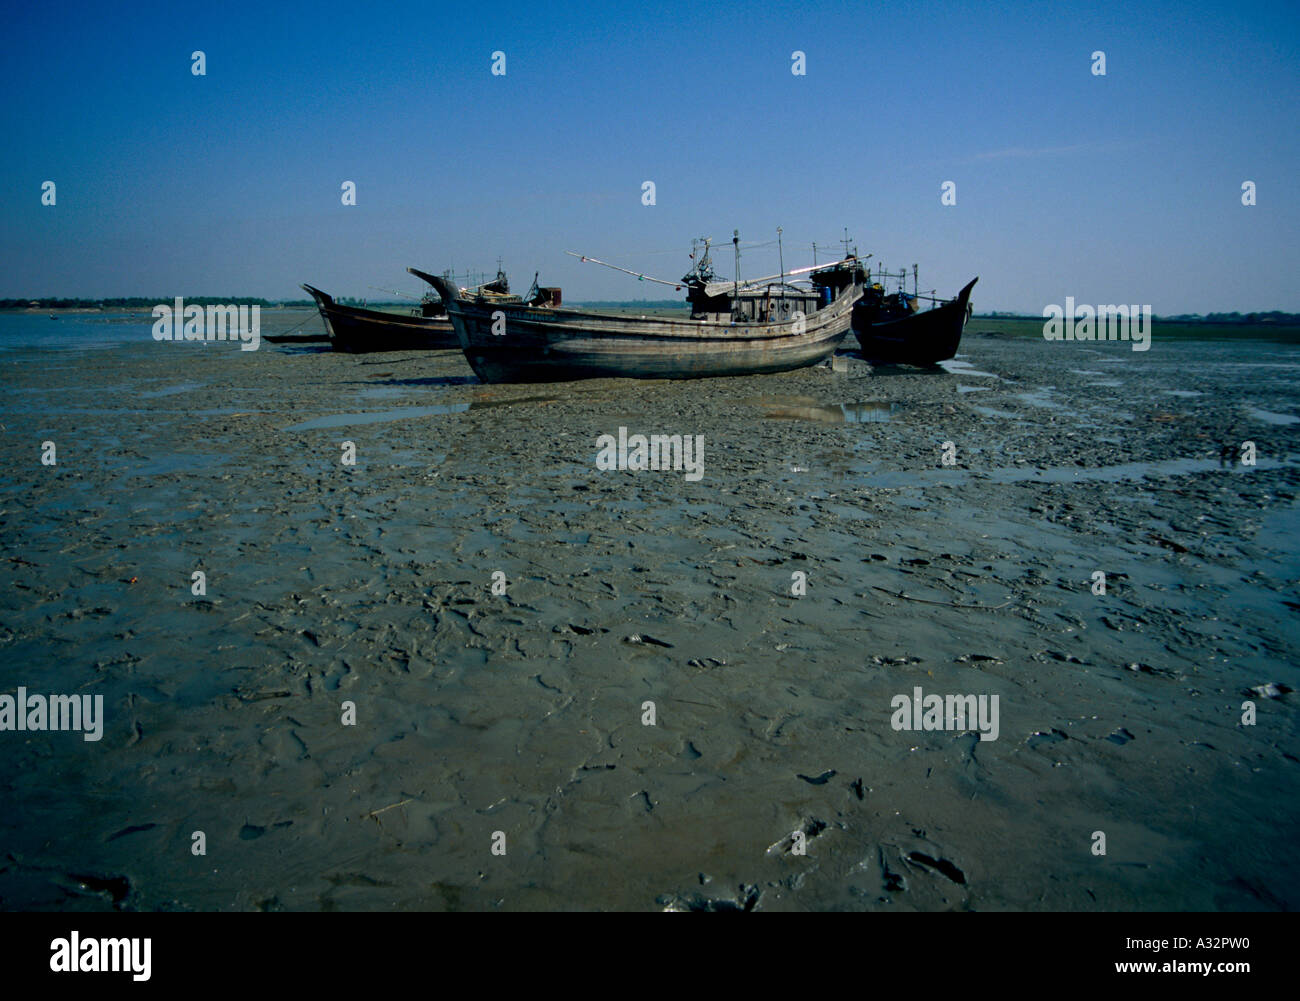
[{"x": 523, "y": 712}]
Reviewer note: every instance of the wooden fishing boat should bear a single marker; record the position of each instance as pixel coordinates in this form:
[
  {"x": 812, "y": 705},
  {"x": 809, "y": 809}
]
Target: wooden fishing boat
[
  {"x": 735, "y": 328},
  {"x": 361, "y": 330},
  {"x": 890, "y": 328}
]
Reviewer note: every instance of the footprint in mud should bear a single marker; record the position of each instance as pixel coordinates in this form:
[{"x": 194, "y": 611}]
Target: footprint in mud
[
  {"x": 810, "y": 829},
  {"x": 941, "y": 865},
  {"x": 116, "y": 887},
  {"x": 746, "y": 900},
  {"x": 135, "y": 829},
  {"x": 1042, "y": 737},
  {"x": 1120, "y": 736},
  {"x": 819, "y": 780}
]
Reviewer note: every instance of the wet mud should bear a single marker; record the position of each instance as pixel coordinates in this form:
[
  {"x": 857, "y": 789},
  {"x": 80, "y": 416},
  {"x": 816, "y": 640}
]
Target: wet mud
[{"x": 478, "y": 712}]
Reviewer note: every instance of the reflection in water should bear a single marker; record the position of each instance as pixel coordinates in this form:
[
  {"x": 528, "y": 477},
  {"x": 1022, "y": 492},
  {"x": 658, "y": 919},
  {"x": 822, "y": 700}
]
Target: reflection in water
[{"x": 869, "y": 412}]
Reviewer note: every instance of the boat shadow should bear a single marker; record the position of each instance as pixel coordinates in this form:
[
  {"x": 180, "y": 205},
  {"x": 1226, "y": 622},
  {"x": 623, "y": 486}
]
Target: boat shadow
[
  {"x": 434, "y": 380},
  {"x": 889, "y": 368}
]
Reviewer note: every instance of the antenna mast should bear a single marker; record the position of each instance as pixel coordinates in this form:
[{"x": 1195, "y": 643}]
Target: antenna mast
[
  {"x": 735, "y": 241},
  {"x": 781, "y": 257}
]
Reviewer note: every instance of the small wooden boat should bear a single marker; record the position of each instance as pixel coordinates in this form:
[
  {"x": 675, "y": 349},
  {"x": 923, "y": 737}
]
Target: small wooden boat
[
  {"x": 890, "y": 328},
  {"x": 735, "y": 328},
  {"x": 361, "y": 330}
]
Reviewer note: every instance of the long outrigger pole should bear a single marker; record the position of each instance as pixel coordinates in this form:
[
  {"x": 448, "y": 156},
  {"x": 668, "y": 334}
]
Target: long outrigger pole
[
  {"x": 739, "y": 285},
  {"x": 380, "y": 288},
  {"x": 634, "y": 274}
]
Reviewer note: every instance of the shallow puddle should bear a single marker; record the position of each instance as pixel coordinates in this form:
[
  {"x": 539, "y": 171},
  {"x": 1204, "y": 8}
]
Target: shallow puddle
[
  {"x": 1062, "y": 474},
  {"x": 405, "y": 413},
  {"x": 955, "y": 367},
  {"x": 870, "y": 412},
  {"x": 1268, "y": 417}
]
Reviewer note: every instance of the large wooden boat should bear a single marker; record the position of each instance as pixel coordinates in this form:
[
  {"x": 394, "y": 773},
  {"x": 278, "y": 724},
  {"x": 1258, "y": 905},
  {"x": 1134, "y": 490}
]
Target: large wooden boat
[
  {"x": 361, "y": 330},
  {"x": 890, "y": 328},
  {"x": 735, "y": 328}
]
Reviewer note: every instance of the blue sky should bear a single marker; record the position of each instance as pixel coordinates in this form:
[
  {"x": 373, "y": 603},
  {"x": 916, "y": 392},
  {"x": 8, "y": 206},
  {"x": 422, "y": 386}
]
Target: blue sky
[{"x": 1122, "y": 188}]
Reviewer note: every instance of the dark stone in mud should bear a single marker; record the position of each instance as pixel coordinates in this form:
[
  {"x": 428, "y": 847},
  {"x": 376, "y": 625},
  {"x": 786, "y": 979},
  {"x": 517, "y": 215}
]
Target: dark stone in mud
[{"x": 118, "y": 888}]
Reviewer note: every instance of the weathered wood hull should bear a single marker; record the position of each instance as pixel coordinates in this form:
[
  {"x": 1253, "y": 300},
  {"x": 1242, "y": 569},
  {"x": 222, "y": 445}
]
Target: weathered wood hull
[
  {"x": 365, "y": 330},
  {"x": 924, "y": 338},
  {"x": 551, "y": 345}
]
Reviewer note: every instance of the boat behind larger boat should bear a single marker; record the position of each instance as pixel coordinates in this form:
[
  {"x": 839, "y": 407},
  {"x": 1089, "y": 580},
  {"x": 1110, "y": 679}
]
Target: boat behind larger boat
[
  {"x": 363, "y": 330},
  {"x": 735, "y": 328},
  {"x": 890, "y": 328}
]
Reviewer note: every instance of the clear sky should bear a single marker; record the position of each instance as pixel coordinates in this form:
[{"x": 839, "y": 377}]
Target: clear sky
[{"x": 1117, "y": 188}]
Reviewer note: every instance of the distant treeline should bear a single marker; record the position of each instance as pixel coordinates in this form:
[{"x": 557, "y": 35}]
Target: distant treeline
[
  {"x": 130, "y": 302},
  {"x": 1242, "y": 319},
  {"x": 142, "y": 302}
]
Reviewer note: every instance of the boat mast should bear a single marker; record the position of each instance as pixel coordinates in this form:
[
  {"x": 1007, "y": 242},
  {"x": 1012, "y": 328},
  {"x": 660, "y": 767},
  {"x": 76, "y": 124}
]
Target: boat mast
[
  {"x": 781, "y": 257},
  {"x": 735, "y": 241}
]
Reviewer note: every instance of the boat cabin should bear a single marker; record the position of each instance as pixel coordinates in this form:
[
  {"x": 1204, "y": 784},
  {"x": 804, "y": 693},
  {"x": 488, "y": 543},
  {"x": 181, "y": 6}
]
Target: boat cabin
[
  {"x": 776, "y": 302},
  {"x": 776, "y": 299}
]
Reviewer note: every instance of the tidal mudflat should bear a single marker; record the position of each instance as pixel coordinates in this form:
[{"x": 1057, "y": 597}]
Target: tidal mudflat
[{"x": 774, "y": 711}]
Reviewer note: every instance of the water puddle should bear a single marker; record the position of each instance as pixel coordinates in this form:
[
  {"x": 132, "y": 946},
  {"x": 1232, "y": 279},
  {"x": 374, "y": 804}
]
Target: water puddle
[
  {"x": 997, "y": 414},
  {"x": 406, "y": 413},
  {"x": 973, "y": 389},
  {"x": 1268, "y": 417},
  {"x": 1064, "y": 474},
  {"x": 184, "y": 387},
  {"x": 168, "y": 465},
  {"x": 869, "y": 412},
  {"x": 1184, "y": 393},
  {"x": 955, "y": 367},
  {"x": 1040, "y": 398}
]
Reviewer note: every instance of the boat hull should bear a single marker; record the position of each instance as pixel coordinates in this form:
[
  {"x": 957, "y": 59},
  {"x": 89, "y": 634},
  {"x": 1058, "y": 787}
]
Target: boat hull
[
  {"x": 537, "y": 344},
  {"x": 925, "y": 338},
  {"x": 367, "y": 330}
]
